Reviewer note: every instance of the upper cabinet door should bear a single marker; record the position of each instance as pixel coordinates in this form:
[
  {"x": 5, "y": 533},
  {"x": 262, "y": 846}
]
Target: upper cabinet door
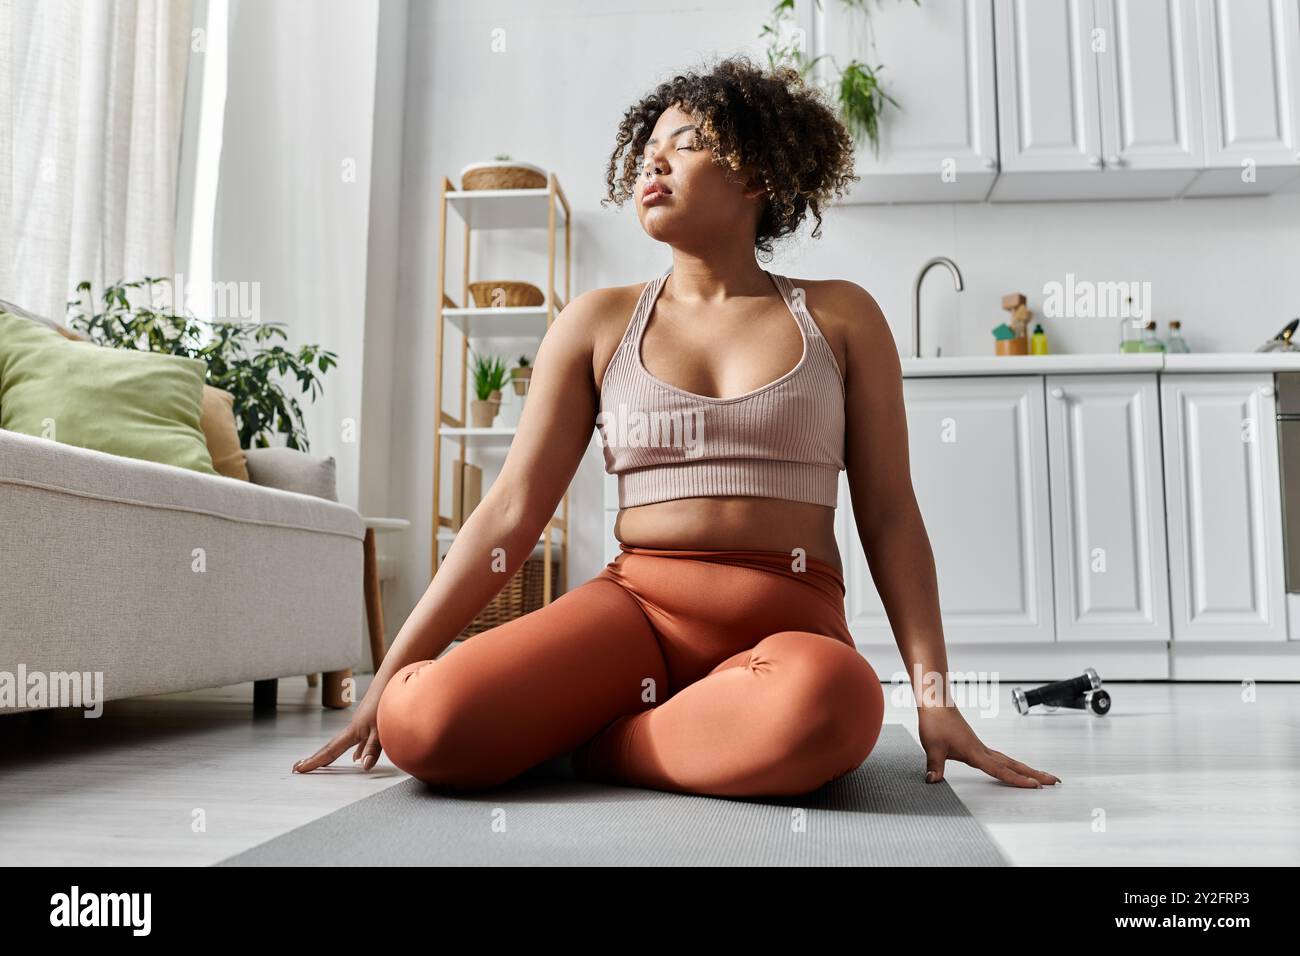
[
  {"x": 940, "y": 143},
  {"x": 978, "y": 455},
  {"x": 1047, "y": 86},
  {"x": 1150, "y": 94},
  {"x": 1250, "y": 82},
  {"x": 1098, "y": 100},
  {"x": 1108, "y": 508}
]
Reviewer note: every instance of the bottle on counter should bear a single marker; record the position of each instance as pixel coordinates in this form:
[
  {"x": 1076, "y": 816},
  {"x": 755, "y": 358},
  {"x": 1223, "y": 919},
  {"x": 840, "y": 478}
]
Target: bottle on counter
[
  {"x": 1150, "y": 342},
  {"x": 1176, "y": 342},
  {"x": 1038, "y": 341},
  {"x": 1130, "y": 332},
  {"x": 1130, "y": 336}
]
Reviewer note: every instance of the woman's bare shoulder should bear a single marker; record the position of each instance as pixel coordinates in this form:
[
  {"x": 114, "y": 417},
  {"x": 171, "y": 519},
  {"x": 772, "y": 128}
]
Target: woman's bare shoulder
[
  {"x": 850, "y": 319},
  {"x": 842, "y": 303},
  {"x": 591, "y": 317},
  {"x": 599, "y": 318},
  {"x": 610, "y": 305}
]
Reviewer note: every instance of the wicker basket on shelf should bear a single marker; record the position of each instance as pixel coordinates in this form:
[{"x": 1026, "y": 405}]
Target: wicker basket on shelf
[
  {"x": 510, "y": 294},
  {"x": 502, "y": 174},
  {"x": 522, "y": 594}
]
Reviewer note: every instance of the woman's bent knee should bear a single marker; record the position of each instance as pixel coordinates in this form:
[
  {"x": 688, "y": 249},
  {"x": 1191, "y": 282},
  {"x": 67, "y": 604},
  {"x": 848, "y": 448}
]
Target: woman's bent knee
[
  {"x": 421, "y": 728},
  {"x": 838, "y": 693},
  {"x": 858, "y": 702}
]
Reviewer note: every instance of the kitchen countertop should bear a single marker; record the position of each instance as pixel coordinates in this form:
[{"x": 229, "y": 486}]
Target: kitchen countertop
[{"x": 1100, "y": 363}]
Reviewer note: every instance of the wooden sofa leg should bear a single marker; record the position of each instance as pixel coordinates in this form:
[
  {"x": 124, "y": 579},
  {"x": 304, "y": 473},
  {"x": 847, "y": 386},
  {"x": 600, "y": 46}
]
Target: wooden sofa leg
[
  {"x": 331, "y": 694},
  {"x": 264, "y": 692},
  {"x": 313, "y": 679}
]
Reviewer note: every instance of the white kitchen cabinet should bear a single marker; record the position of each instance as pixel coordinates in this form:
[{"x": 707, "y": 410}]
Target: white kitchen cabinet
[
  {"x": 1048, "y": 115},
  {"x": 1150, "y": 92},
  {"x": 1107, "y": 505},
  {"x": 1224, "y": 507},
  {"x": 940, "y": 144},
  {"x": 1250, "y": 81},
  {"x": 978, "y": 455},
  {"x": 1097, "y": 100}
]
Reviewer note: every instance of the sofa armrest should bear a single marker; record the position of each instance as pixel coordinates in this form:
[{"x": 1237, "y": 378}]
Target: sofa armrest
[
  {"x": 70, "y": 470},
  {"x": 292, "y": 470}
]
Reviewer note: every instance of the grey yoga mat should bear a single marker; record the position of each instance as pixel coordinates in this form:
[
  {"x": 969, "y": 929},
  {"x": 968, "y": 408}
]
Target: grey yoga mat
[{"x": 882, "y": 814}]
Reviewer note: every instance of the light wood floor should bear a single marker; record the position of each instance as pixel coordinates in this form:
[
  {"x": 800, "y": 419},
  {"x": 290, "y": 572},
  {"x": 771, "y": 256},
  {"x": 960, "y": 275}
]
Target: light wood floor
[{"x": 1183, "y": 774}]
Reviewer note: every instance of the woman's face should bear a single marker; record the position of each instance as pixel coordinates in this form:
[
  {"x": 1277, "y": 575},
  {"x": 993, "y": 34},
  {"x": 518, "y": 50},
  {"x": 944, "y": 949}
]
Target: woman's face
[{"x": 699, "y": 198}]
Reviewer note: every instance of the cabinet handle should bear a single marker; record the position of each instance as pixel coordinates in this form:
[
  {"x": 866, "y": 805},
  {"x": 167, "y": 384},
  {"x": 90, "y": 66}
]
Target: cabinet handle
[
  {"x": 989, "y": 162},
  {"x": 1266, "y": 391},
  {"x": 1115, "y": 160},
  {"x": 1058, "y": 393},
  {"x": 1094, "y": 162}
]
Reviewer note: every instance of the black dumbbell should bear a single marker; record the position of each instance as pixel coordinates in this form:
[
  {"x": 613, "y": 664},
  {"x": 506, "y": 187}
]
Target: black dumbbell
[
  {"x": 1059, "y": 693},
  {"x": 1097, "y": 701}
]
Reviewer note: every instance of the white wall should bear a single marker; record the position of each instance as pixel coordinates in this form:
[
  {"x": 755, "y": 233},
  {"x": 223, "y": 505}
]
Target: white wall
[
  {"x": 294, "y": 195},
  {"x": 554, "y": 97},
  {"x": 1225, "y": 267},
  {"x": 382, "y": 329}
]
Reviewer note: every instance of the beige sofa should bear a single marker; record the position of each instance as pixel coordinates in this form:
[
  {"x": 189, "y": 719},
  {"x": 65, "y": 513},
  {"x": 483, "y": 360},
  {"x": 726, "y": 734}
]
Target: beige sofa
[{"x": 162, "y": 579}]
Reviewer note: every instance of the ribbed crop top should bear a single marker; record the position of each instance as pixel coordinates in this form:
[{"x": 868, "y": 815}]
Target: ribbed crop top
[{"x": 784, "y": 439}]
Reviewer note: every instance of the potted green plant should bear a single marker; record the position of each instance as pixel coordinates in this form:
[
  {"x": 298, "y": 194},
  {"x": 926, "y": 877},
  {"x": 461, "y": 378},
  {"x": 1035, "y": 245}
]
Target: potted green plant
[
  {"x": 520, "y": 375},
  {"x": 489, "y": 377},
  {"x": 859, "y": 91},
  {"x": 239, "y": 355}
]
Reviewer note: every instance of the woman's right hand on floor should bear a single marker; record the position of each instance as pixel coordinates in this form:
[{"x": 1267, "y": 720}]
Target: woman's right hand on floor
[{"x": 362, "y": 732}]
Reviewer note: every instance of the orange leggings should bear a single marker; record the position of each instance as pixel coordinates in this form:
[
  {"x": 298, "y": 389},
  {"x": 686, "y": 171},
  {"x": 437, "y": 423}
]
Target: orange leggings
[{"x": 727, "y": 673}]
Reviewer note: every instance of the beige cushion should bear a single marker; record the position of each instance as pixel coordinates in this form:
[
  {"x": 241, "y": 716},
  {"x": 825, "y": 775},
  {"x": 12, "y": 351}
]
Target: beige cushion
[
  {"x": 218, "y": 423},
  {"x": 291, "y": 470}
]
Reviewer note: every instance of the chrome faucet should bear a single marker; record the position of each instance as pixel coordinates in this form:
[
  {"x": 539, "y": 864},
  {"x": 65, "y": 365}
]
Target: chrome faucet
[{"x": 916, "y": 296}]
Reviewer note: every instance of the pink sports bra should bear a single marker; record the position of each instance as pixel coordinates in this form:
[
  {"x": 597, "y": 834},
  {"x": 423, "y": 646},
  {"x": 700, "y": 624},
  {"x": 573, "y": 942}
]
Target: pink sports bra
[{"x": 784, "y": 439}]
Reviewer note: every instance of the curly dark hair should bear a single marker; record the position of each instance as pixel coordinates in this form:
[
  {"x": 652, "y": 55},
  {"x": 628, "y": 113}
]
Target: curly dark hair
[{"x": 770, "y": 120}]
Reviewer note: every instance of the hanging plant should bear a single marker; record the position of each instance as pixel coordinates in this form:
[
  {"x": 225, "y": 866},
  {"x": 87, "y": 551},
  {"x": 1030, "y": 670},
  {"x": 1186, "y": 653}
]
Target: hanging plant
[
  {"x": 861, "y": 95},
  {"x": 862, "y": 100}
]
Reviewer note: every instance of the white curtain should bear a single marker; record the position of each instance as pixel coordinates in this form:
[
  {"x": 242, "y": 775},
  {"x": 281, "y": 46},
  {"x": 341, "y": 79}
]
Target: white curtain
[{"x": 91, "y": 95}]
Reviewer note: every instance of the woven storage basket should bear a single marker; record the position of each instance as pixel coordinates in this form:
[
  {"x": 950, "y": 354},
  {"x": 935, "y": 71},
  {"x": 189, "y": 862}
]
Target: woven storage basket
[
  {"x": 503, "y": 177},
  {"x": 513, "y": 294},
  {"x": 522, "y": 594}
]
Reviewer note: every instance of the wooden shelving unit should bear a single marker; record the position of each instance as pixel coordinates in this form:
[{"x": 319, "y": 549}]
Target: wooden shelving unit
[{"x": 547, "y": 209}]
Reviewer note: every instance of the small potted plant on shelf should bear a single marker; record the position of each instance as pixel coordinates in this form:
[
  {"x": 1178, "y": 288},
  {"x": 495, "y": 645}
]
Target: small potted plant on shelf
[
  {"x": 489, "y": 377},
  {"x": 520, "y": 375}
]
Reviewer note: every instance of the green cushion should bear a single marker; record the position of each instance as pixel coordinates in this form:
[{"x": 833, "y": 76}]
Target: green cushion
[{"x": 123, "y": 402}]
